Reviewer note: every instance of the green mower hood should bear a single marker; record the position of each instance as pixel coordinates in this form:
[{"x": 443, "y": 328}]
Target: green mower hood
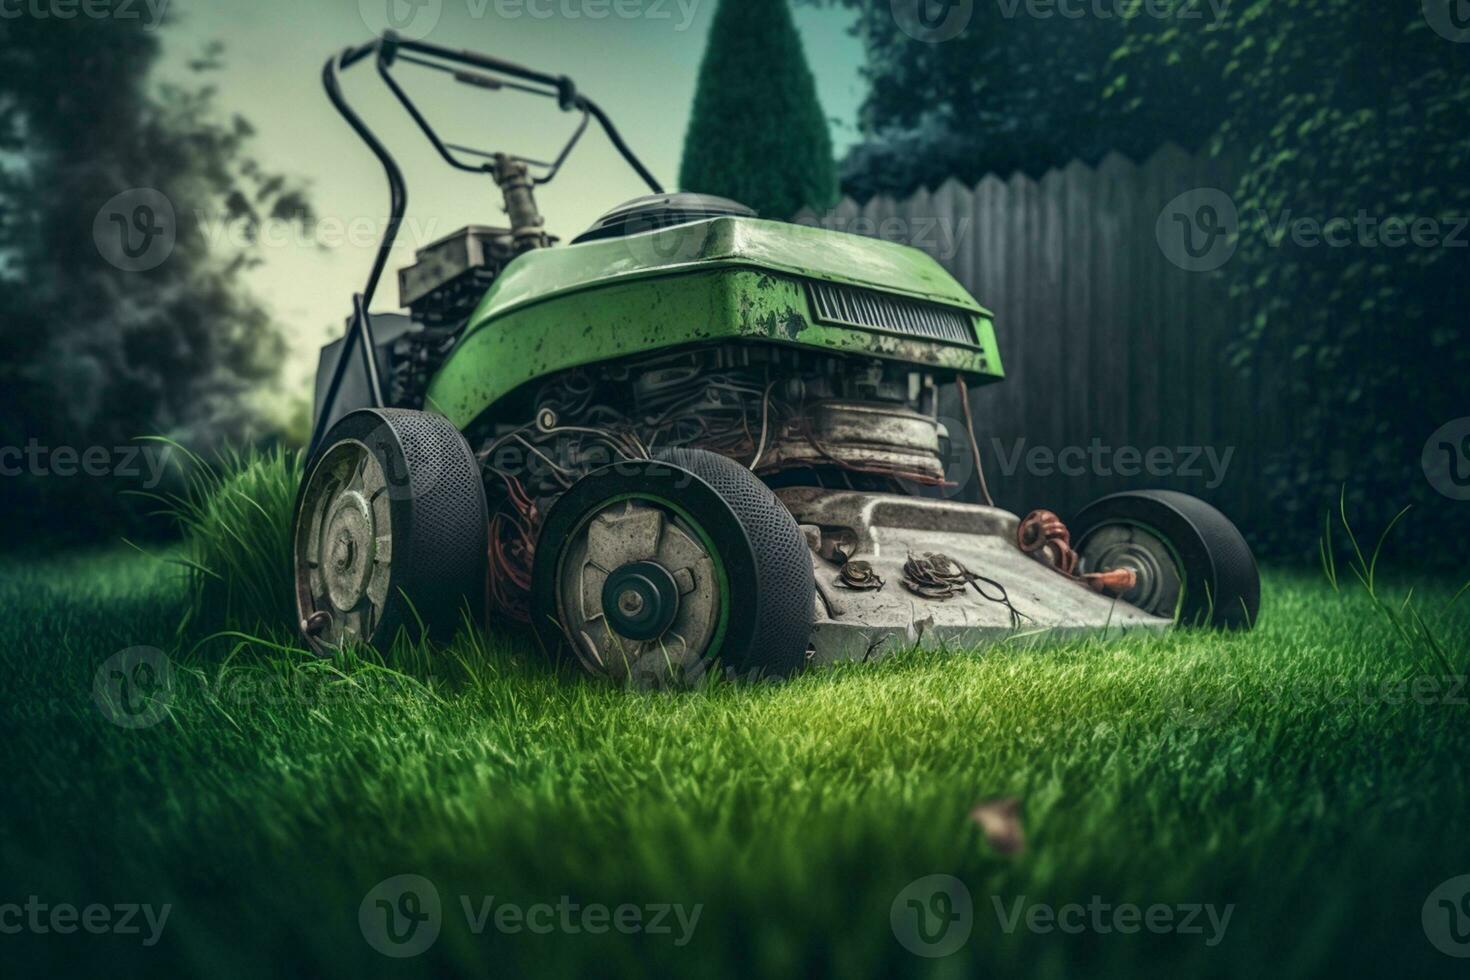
[{"x": 724, "y": 279}]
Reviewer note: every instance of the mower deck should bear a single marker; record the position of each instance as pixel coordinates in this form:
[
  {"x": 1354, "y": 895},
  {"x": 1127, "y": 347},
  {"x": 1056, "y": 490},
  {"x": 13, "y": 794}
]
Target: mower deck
[{"x": 885, "y": 531}]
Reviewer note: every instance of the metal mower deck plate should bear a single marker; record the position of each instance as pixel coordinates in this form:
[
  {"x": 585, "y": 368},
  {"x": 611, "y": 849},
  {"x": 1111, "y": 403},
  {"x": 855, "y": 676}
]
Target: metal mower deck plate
[{"x": 886, "y": 531}]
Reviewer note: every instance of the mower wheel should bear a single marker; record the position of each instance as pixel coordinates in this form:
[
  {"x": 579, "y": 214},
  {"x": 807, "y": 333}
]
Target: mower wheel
[
  {"x": 1187, "y": 555},
  {"x": 390, "y": 531},
  {"x": 654, "y": 571}
]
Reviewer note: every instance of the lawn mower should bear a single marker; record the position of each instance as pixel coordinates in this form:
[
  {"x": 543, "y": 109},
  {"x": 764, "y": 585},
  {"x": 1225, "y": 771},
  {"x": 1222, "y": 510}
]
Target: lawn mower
[{"x": 689, "y": 439}]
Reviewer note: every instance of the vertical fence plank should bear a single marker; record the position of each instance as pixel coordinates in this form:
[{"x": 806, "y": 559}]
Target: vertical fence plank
[
  {"x": 1113, "y": 279},
  {"x": 1077, "y": 338}
]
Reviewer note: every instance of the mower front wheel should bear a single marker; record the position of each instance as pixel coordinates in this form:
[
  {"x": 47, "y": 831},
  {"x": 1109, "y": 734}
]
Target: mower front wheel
[
  {"x": 390, "y": 531},
  {"x": 653, "y": 571}
]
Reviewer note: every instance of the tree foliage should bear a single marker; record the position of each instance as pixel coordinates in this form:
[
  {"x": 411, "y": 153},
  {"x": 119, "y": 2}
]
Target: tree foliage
[
  {"x": 757, "y": 133},
  {"x": 96, "y": 355},
  {"x": 1352, "y": 116},
  {"x": 1013, "y": 91}
]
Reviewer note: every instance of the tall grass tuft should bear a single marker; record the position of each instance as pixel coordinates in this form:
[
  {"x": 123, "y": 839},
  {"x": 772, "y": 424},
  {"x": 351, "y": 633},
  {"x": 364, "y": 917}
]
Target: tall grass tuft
[
  {"x": 1410, "y": 624},
  {"x": 235, "y": 515}
]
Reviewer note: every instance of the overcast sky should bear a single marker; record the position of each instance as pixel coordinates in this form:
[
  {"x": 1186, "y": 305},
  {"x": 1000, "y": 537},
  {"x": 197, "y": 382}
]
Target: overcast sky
[{"x": 637, "y": 58}]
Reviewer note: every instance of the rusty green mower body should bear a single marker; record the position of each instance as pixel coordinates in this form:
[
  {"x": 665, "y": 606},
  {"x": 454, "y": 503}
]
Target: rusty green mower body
[{"x": 690, "y": 438}]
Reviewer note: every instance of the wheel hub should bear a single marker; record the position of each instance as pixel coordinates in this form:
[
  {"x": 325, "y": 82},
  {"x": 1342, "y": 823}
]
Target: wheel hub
[
  {"x": 343, "y": 547},
  {"x": 1146, "y": 555},
  {"x": 640, "y": 600},
  {"x": 636, "y": 580},
  {"x": 349, "y": 549}
]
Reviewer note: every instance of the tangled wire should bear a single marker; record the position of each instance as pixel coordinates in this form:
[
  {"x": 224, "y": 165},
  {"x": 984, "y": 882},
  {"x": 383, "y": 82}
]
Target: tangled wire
[{"x": 938, "y": 576}]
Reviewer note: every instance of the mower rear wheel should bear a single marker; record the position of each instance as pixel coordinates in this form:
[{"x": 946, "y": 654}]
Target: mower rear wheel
[
  {"x": 390, "y": 531},
  {"x": 654, "y": 571},
  {"x": 1188, "y": 557}
]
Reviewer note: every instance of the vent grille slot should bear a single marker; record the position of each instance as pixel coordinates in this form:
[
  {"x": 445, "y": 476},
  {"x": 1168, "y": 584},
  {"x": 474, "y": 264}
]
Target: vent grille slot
[{"x": 852, "y": 307}]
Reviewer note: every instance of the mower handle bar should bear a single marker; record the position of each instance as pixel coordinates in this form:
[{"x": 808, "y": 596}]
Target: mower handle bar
[
  {"x": 387, "y": 48},
  {"x": 561, "y": 87}
]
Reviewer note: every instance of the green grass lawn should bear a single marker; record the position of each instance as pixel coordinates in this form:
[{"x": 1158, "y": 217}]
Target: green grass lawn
[{"x": 1308, "y": 779}]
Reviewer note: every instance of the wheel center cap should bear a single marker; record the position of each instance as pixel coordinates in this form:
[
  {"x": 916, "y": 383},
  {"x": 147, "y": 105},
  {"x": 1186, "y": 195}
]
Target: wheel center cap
[
  {"x": 343, "y": 552},
  {"x": 348, "y": 549},
  {"x": 640, "y": 600}
]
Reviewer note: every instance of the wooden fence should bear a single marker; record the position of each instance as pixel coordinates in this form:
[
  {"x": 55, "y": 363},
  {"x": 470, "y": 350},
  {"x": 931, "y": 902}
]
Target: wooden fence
[{"x": 1110, "y": 347}]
